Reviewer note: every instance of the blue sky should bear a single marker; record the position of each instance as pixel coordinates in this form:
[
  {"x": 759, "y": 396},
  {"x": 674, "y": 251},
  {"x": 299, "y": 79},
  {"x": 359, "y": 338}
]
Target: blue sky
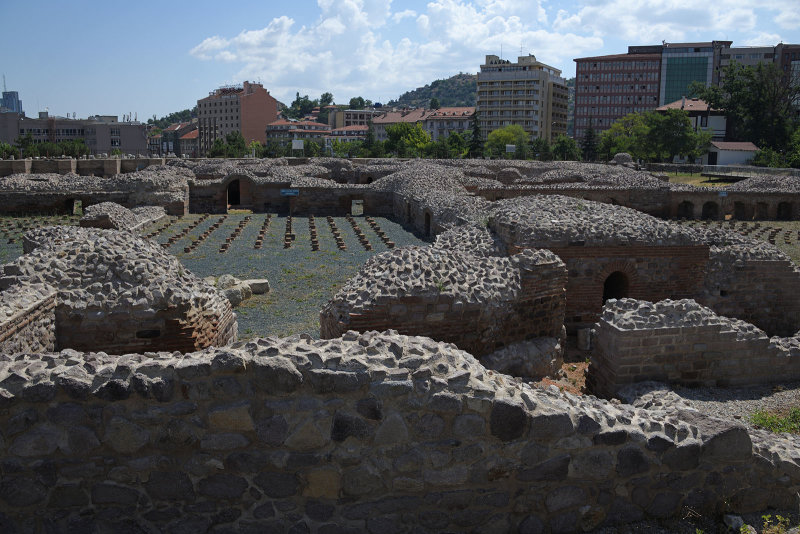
[{"x": 151, "y": 58}]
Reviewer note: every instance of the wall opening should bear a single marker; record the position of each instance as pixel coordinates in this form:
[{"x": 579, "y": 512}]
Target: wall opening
[
  {"x": 615, "y": 286},
  {"x": 711, "y": 211},
  {"x": 234, "y": 193},
  {"x": 762, "y": 210},
  {"x": 427, "y": 224},
  {"x": 356, "y": 207},
  {"x": 784, "y": 211},
  {"x": 739, "y": 211},
  {"x": 369, "y": 179},
  {"x": 685, "y": 210}
]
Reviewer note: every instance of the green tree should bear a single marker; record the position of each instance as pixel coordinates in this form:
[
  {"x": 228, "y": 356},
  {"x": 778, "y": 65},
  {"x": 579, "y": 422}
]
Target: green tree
[
  {"x": 369, "y": 139},
  {"x": 357, "y": 102},
  {"x": 300, "y": 107},
  {"x": 566, "y": 149},
  {"x": 512, "y": 134},
  {"x": 456, "y": 145},
  {"x": 434, "y": 104},
  {"x": 325, "y": 99},
  {"x": 439, "y": 149},
  {"x": 476, "y": 139},
  {"x": 218, "y": 149},
  {"x": 625, "y": 135},
  {"x": 760, "y": 103},
  {"x": 407, "y": 140},
  {"x": 6, "y": 151},
  {"x": 589, "y": 144},
  {"x": 235, "y": 146},
  {"x": 670, "y": 134},
  {"x": 256, "y": 149},
  {"x": 26, "y": 145},
  {"x": 311, "y": 149}
]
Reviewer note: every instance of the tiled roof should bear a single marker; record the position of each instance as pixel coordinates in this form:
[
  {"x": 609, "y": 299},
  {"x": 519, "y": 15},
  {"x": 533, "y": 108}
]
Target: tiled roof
[
  {"x": 176, "y": 126},
  {"x": 691, "y": 104},
  {"x": 194, "y": 134},
  {"x": 744, "y": 146},
  {"x": 452, "y": 112},
  {"x": 352, "y": 128},
  {"x": 393, "y": 117}
]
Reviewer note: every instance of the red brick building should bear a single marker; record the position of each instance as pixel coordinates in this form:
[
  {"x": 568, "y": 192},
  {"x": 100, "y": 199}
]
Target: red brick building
[
  {"x": 609, "y": 87},
  {"x": 246, "y": 109}
]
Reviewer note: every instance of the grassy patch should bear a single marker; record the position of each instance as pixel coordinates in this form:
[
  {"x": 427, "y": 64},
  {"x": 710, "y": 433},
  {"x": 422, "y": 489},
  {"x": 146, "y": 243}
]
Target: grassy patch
[
  {"x": 776, "y": 422},
  {"x": 698, "y": 180}
]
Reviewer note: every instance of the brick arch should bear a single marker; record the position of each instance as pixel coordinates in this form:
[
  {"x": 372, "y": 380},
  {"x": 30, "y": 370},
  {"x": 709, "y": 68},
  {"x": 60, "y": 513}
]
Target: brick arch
[{"x": 626, "y": 267}]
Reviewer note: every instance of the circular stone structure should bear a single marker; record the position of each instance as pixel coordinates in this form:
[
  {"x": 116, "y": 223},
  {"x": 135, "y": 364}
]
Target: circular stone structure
[{"x": 119, "y": 293}]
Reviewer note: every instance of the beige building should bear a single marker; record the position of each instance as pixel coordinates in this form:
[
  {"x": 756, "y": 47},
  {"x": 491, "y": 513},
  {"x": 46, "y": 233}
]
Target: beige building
[
  {"x": 342, "y": 118},
  {"x": 527, "y": 93},
  {"x": 247, "y": 109},
  {"x": 442, "y": 122},
  {"x": 102, "y": 133}
]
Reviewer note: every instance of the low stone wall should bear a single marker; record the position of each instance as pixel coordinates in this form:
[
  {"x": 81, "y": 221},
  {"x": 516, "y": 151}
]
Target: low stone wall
[
  {"x": 682, "y": 342},
  {"x": 758, "y": 289},
  {"x": 372, "y": 432},
  {"x": 27, "y": 319},
  {"x": 83, "y": 167},
  {"x": 479, "y": 304}
]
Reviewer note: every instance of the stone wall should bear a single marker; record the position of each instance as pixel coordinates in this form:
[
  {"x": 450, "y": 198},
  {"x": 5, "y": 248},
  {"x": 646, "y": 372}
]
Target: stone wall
[
  {"x": 759, "y": 289},
  {"x": 681, "y": 342},
  {"x": 27, "y": 319},
  {"x": 84, "y": 167},
  {"x": 479, "y": 304},
  {"x": 370, "y": 433},
  {"x": 651, "y": 273}
]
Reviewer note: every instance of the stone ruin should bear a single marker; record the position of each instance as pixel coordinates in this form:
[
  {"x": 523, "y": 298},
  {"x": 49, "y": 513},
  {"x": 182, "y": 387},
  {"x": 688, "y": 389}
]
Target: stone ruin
[
  {"x": 368, "y": 431},
  {"x": 111, "y": 291}
]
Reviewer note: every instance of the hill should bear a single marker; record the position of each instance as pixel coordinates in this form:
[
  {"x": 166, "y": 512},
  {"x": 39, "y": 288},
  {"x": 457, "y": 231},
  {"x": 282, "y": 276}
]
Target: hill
[{"x": 458, "y": 90}]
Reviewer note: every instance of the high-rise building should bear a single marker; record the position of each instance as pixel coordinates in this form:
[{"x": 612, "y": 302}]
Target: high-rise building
[
  {"x": 247, "y": 109},
  {"x": 10, "y": 103},
  {"x": 684, "y": 63},
  {"x": 610, "y": 87},
  {"x": 527, "y": 93}
]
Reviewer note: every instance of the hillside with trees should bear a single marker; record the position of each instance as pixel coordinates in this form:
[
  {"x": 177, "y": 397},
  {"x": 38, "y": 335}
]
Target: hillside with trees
[{"x": 458, "y": 90}]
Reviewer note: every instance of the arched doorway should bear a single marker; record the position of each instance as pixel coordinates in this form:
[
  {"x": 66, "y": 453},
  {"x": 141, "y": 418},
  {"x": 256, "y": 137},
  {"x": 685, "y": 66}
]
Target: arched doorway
[
  {"x": 784, "y": 211},
  {"x": 739, "y": 211},
  {"x": 615, "y": 286},
  {"x": 762, "y": 210},
  {"x": 234, "y": 193},
  {"x": 685, "y": 210},
  {"x": 711, "y": 211}
]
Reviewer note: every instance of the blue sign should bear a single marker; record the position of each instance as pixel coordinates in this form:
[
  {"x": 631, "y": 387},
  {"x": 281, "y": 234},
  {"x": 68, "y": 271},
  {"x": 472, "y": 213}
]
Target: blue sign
[
  {"x": 723, "y": 193},
  {"x": 290, "y": 192}
]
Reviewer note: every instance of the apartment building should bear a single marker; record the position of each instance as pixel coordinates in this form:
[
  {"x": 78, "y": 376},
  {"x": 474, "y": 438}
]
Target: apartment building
[
  {"x": 171, "y": 137},
  {"x": 346, "y": 134},
  {"x": 387, "y": 118},
  {"x": 787, "y": 56},
  {"x": 443, "y": 122},
  {"x": 246, "y": 108},
  {"x": 527, "y": 93},
  {"x": 10, "y": 103},
  {"x": 286, "y": 130},
  {"x": 102, "y": 133},
  {"x": 341, "y": 118}
]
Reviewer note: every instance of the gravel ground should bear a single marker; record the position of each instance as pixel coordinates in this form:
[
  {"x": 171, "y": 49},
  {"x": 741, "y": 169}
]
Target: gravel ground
[{"x": 740, "y": 403}]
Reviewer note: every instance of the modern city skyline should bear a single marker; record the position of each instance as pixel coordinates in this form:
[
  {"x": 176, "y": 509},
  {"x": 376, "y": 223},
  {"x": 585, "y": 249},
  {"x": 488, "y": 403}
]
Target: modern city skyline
[{"x": 153, "y": 58}]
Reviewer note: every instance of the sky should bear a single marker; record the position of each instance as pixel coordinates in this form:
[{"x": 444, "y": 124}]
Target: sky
[{"x": 151, "y": 58}]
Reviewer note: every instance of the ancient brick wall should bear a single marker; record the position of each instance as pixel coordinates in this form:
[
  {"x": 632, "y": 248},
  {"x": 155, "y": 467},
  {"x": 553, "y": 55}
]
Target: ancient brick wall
[
  {"x": 165, "y": 330},
  {"x": 28, "y": 319},
  {"x": 652, "y": 273},
  {"x": 533, "y": 307},
  {"x": 721, "y": 354},
  {"x": 760, "y": 291},
  {"x": 370, "y": 433}
]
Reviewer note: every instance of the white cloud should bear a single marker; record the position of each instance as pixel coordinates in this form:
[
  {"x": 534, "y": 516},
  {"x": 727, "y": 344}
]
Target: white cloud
[
  {"x": 355, "y": 47},
  {"x": 762, "y": 39},
  {"x": 210, "y": 44},
  {"x": 400, "y": 15}
]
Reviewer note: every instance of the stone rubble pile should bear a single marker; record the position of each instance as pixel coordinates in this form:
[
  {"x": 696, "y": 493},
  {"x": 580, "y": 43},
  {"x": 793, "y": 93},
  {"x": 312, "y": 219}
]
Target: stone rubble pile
[
  {"x": 430, "y": 271},
  {"x": 107, "y": 271},
  {"x": 469, "y": 239},
  {"x": 110, "y": 216},
  {"x": 632, "y": 314},
  {"x": 531, "y": 360},
  {"x": 767, "y": 183},
  {"x": 558, "y": 221}
]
